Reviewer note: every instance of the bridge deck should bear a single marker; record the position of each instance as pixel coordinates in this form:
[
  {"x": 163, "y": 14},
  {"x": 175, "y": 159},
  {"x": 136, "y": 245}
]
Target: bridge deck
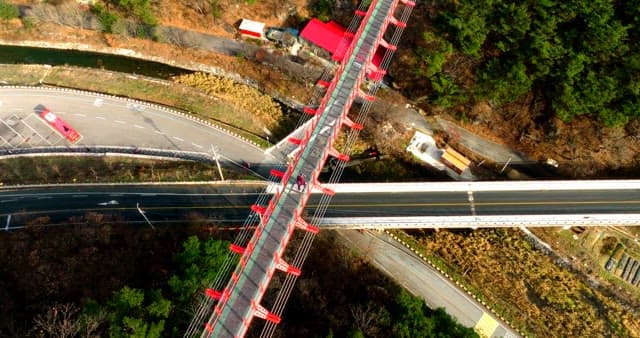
[{"x": 237, "y": 311}]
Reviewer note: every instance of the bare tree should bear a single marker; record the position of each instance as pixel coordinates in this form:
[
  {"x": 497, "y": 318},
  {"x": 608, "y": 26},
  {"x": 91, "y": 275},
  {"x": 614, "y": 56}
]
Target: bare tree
[
  {"x": 60, "y": 320},
  {"x": 91, "y": 324},
  {"x": 65, "y": 321},
  {"x": 68, "y": 13},
  {"x": 369, "y": 318}
]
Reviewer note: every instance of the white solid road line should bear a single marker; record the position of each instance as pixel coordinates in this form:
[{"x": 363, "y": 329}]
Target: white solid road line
[
  {"x": 483, "y": 186},
  {"x": 8, "y": 222}
]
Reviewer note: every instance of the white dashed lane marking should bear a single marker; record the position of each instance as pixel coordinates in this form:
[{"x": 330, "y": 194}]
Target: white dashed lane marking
[
  {"x": 100, "y": 118},
  {"x": 196, "y": 145},
  {"x": 118, "y": 121},
  {"x": 137, "y": 126},
  {"x": 159, "y": 132},
  {"x": 81, "y": 115},
  {"x": 177, "y": 138}
]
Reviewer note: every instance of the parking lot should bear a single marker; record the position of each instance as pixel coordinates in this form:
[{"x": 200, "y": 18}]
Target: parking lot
[{"x": 29, "y": 131}]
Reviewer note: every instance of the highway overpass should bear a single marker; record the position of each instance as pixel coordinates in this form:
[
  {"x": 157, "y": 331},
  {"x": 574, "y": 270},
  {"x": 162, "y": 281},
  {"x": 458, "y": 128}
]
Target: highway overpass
[{"x": 380, "y": 205}]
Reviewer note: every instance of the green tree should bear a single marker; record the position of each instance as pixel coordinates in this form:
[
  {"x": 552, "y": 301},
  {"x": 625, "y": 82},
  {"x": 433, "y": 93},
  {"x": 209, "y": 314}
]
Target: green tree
[
  {"x": 195, "y": 269},
  {"x": 432, "y": 57},
  {"x": 511, "y": 22},
  {"x": 106, "y": 17},
  {"x": 322, "y": 9},
  {"x": 134, "y": 313},
  {"x": 141, "y": 9},
  {"x": 415, "y": 319},
  {"x": 581, "y": 55},
  {"x": 468, "y": 22},
  {"x": 8, "y": 11},
  {"x": 412, "y": 321},
  {"x": 355, "y": 333},
  {"x": 503, "y": 81},
  {"x": 593, "y": 93},
  {"x": 446, "y": 92},
  {"x": 196, "y": 266}
]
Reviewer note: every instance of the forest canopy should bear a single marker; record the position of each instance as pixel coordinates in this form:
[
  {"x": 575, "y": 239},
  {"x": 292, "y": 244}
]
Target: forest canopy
[{"x": 583, "y": 56}]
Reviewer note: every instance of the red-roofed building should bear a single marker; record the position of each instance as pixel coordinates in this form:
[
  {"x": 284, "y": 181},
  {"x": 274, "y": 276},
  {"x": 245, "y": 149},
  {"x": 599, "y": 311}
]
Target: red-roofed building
[
  {"x": 326, "y": 35},
  {"x": 329, "y": 36}
]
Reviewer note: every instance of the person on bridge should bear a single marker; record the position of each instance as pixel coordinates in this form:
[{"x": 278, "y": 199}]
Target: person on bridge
[{"x": 300, "y": 182}]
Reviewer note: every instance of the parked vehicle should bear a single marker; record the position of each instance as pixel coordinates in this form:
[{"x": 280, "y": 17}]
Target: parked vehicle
[
  {"x": 285, "y": 36},
  {"x": 60, "y": 125}
]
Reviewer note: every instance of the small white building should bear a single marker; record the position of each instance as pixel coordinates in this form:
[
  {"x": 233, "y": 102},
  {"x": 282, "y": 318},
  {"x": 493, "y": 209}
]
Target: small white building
[
  {"x": 252, "y": 29},
  {"x": 424, "y": 148}
]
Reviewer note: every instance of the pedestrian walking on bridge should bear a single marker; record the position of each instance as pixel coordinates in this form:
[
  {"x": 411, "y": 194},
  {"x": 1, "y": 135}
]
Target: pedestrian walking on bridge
[{"x": 300, "y": 182}]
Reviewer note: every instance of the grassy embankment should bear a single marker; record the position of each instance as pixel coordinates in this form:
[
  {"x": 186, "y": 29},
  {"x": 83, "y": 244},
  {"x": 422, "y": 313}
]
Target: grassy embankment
[
  {"x": 524, "y": 284},
  {"x": 83, "y": 169}
]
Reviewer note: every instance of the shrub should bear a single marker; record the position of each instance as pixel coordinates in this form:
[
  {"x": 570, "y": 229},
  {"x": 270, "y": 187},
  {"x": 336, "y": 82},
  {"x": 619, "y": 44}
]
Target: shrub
[
  {"x": 106, "y": 17},
  {"x": 8, "y": 11},
  {"x": 141, "y": 9}
]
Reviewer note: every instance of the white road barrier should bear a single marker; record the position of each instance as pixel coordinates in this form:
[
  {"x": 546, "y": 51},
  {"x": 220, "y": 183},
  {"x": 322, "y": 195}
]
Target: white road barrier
[{"x": 493, "y": 221}]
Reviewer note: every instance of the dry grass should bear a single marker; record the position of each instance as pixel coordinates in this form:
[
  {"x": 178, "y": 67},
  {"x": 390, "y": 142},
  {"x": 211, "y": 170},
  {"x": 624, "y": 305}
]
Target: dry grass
[
  {"x": 162, "y": 92},
  {"x": 526, "y": 286},
  {"x": 79, "y": 169},
  {"x": 262, "y": 107},
  {"x": 22, "y": 74}
]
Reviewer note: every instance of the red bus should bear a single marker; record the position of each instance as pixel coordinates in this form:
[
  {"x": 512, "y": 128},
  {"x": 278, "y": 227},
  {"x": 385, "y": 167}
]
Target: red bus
[{"x": 60, "y": 125}]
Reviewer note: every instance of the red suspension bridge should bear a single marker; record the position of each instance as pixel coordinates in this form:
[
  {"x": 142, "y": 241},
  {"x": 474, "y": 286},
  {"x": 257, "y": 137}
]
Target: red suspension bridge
[{"x": 227, "y": 310}]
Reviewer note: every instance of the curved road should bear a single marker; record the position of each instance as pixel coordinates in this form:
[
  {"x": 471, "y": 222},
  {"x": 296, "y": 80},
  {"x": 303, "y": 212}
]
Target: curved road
[
  {"x": 111, "y": 121},
  {"x": 395, "y": 260}
]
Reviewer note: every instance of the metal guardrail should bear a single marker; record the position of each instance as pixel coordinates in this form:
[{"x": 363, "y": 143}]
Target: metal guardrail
[
  {"x": 107, "y": 151},
  {"x": 484, "y": 221}
]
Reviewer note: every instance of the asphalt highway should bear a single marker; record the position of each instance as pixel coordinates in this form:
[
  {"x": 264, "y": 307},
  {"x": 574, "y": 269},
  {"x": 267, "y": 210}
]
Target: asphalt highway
[
  {"x": 230, "y": 203},
  {"x": 111, "y": 121}
]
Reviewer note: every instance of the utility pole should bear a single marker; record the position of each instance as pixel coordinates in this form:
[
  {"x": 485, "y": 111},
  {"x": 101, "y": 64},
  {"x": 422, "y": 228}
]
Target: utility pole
[
  {"x": 505, "y": 165},
  {"x": 216, "y": 157},
  {"x": 145, "y": 216}
]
